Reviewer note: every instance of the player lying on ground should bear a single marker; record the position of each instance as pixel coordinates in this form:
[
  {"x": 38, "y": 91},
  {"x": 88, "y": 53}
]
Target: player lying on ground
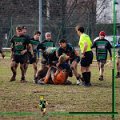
[
  {"x": 51, "y": 59},
  {"x": 58, "y": 75}
]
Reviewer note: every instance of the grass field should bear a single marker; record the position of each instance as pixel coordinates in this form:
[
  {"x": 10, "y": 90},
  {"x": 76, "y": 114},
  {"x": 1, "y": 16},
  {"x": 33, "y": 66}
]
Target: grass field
[{"x": 24, "y": 97}]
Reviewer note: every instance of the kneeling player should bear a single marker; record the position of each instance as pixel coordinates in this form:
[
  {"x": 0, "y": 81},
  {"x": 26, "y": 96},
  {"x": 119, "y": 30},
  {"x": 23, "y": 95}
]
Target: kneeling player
[{"x": 58, "y": 75}]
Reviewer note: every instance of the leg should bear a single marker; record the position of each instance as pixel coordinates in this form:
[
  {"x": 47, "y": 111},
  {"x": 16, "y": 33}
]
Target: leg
[
  {"x": 86, "y": 76},
  {"x": 26, "y": 62},
  {"x": 35, "y": 70},
  {"x": 14, "y": 66},
  {"x": 74, "y": 69},
  {"x": 85, "y": 68},
  {"x": 48, "y": 75},
  {"x": 25, "y": 67},
  {"x": 22, "y": 73},
  {"x": 118, "y": 68},
  {"x": 41, "y": 75},
  {"x": 101, "y": 71}
]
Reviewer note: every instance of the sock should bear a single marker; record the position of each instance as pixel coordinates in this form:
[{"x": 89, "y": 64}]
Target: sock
[
  {"x": 89, "y": 76},
  {"x": 85, "y": 77}
]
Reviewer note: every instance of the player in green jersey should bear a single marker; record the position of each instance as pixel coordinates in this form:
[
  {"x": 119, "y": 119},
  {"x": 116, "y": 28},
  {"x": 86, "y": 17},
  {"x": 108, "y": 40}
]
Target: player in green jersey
[
  {"x": 34, "y": 42},
  {"x": 19, "y": 46},
  {"x": 102, "y": 47}
]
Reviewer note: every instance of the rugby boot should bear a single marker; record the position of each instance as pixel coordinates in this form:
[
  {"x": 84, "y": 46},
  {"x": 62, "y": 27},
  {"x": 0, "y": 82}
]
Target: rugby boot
[{"x": 13, "y": 78}]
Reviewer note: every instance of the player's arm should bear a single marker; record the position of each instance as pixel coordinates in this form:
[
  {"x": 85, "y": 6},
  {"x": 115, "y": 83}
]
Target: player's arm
[
  {"x": 31, "y": 49},
  {"x": 109, "y": 46},
  {"x": 94, "y": 45},
  {"x": 76, "y": 52},
  {"x": 12, "y": 47},
  {"x": 85, "y": 48},
  {"x": 58, "y": 53}
]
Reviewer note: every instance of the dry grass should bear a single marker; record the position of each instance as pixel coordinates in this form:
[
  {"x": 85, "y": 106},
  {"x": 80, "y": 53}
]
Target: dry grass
[{"x": 24, "y": 97}]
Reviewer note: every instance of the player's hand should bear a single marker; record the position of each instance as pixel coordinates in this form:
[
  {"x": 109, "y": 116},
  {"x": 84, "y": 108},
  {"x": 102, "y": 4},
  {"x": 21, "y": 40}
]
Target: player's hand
[
  {"x": 58, "y": 64},
  {"x": 82, "y": 56},
  {"x": 67, "y": 57},
  {"x": 23, "y": 52}
]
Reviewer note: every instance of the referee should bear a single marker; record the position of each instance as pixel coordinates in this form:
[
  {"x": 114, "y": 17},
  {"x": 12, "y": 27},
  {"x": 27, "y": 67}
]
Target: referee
[{"x": 86, "y": 55}]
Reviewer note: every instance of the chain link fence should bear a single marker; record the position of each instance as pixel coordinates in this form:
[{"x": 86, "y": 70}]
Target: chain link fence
[{"x": 59, "y": 17}]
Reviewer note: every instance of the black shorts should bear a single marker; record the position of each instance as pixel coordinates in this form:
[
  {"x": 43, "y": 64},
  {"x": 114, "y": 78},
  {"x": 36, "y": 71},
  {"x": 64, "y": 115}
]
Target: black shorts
[
  {"x": 87, "y": 60},
  {"x": 101, "y": 61},
  {"x": 19, "y": 59},
  {"x": 27, "y": 57},
  {"x": 33, "y": 59}
]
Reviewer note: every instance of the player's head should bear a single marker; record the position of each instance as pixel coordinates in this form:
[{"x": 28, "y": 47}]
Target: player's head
[
  {"x": 37, "y": 35},
  {"x": 19, "y": 30},
  {"x": 102, "y": 34},
  {"x": 62, "y": 43},
  {"x": 79, "y": 30},
  {"x": 62, "y": 58},
  {"x": 41, "y": 97},
  {"x": 48, "y": 36}
]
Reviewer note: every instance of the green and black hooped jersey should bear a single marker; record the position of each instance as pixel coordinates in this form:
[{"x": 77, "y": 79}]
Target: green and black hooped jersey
[
  {"x": 34, "y": 44},
  {"x": 43, "y": 103},
  {"x": 70, "y": 51},
  {"x": 102, "y": 47},
  {"x": 19, "y": 43},
  {"x": 46, "y": 44}
]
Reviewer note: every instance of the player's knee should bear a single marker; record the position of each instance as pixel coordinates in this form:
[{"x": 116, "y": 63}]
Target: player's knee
[
  {"x": 72, "y": 67},
  {"x": 22, "y": 67}
]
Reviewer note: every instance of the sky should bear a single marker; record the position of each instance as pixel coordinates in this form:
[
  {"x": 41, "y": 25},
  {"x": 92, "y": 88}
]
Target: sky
[{"x": 107, "y": 14}]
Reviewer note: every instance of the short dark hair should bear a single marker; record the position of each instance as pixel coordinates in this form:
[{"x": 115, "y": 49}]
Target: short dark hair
[
  {"x": 81, "y": 29},
  {"x": 24, "y": 27},
  {"x": 63, "y": 41},
  {"x": 18, "y": 27},
  {"x": 37, "y": 32}
]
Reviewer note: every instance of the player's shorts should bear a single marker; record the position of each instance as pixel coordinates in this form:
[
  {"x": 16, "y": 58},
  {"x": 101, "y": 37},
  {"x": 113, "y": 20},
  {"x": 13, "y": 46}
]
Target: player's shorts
[
  {"x": 77, "y": 59},
  {"x": 60, "y": 78},
  {"x": 87, "y": 60},
  {"x": 33, "y": 59},
  {"x": 19, "y": 59},
  {"x": 101, "y": 61}
]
